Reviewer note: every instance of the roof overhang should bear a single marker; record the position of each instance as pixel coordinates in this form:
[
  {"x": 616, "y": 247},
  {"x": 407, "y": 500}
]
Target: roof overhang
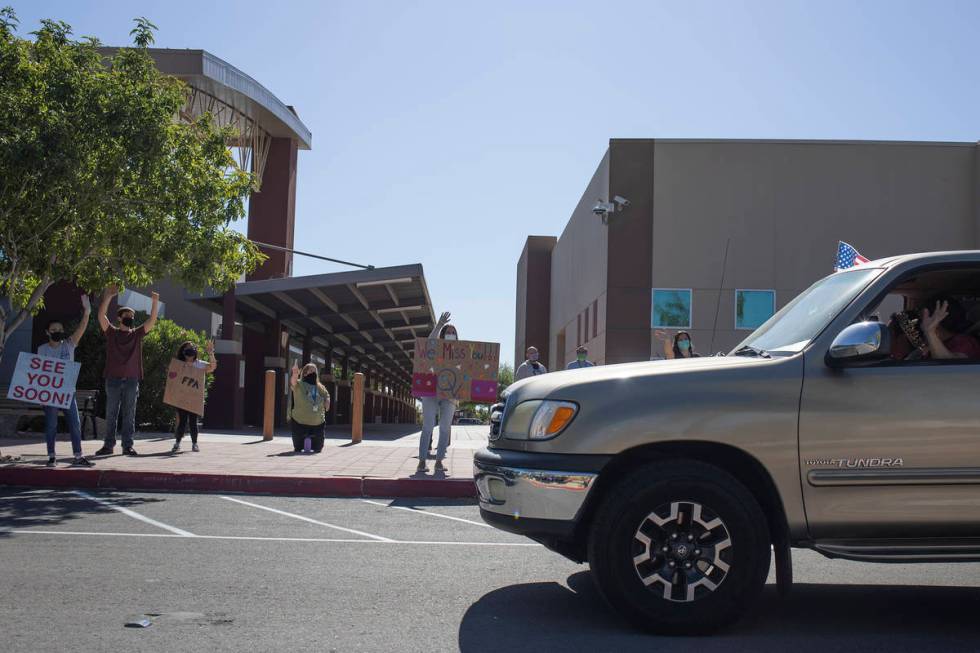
[
  {"x": 372, "y": 316},
  {"x": 205, "y": 72}
]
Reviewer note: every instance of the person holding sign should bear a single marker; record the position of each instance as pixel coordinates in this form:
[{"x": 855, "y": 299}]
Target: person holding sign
[
  {"x": 123, "y": 369},
  {"x": 60, "y": 345},
  {"x": 308, "y": 406},
  {"x": 433, "y": 407},
  {"x": 187, "y": 353}
]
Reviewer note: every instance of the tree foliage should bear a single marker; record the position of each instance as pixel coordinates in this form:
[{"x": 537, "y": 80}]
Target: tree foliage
[{"x": 99, "y": 183}]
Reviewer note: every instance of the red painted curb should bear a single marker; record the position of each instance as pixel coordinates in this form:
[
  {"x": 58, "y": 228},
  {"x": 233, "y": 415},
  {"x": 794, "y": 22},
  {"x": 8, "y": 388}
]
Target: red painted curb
[{"x": 332, "y": 486}]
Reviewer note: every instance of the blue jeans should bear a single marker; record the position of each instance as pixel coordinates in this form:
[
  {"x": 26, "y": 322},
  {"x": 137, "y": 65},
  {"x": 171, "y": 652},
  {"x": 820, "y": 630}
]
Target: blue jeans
[
  {"x": 74, "y": 427},
  {"x": 121, "y": 396}
]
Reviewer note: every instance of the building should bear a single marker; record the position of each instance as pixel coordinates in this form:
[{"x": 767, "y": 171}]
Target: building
[
  {"x": 360, "y": 321},
  {"x": 716, "y": 235}
]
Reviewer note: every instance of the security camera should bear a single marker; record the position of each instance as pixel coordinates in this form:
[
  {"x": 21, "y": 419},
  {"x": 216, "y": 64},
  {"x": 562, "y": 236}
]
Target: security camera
[
  {"x": 601, "y": 208},
  {"x": 622, "y": 201}
]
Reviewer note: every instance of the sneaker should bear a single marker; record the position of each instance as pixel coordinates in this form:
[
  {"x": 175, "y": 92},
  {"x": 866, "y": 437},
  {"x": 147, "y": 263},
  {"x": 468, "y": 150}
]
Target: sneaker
[
  {"x": 194, "y": 447},
  {"x": 440, "y": 467},
  {"x": 129, "y": 451},
  {"x": 82, "y": 462},
  {"x": 50, "y": 462},
  {"x": 421, "y": 469},
  {"x": 104, "y": 451}
]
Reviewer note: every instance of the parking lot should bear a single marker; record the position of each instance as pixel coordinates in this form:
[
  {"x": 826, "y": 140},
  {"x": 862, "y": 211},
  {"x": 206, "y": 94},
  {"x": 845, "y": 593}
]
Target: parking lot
[{"x": 264, "y": 573}]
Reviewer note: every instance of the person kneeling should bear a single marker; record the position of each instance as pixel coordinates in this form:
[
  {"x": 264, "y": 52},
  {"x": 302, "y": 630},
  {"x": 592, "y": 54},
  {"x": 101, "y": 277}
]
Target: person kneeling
[{"x": 308, "y": 405}]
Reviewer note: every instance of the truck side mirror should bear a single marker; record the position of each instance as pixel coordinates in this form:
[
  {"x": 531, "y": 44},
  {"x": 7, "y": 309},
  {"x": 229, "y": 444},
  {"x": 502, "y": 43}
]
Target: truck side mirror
[{"x": 864, "y": 341}]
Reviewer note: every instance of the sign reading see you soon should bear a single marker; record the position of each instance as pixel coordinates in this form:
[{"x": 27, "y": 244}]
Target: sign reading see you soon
[
  {"x": 43, "y": 380},
  {"x": 462, "y": 370}
]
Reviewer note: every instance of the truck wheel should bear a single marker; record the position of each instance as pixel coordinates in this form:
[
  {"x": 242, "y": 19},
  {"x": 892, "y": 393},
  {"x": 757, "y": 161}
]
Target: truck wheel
[{"x": 680, "y": 547}]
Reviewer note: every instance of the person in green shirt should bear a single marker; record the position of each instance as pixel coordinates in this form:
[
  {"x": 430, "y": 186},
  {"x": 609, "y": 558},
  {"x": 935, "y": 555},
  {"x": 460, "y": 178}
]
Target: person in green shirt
[{"x": 308, "y": 406}]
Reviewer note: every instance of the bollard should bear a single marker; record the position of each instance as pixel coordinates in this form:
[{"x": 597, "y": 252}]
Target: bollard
[
  {"x": 357, "y": 409},
  {"x": 269, "y": 410}
]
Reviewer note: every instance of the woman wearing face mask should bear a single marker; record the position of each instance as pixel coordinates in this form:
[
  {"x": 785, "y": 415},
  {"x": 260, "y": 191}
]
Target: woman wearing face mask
[
  {"x": 187, "y": 352},
  {"x": 62, "y": 346},
  {"x": 308, "y": 406},
  {"x": 433, "y": 407},
  {"x": 680, "y": 346}
]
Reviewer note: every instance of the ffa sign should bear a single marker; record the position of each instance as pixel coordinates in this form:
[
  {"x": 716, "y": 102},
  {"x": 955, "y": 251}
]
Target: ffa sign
[
  {"x": 460, "y": 370},
  {"x": 43, "y": 380},
  {"x": 185, "y": 387}
]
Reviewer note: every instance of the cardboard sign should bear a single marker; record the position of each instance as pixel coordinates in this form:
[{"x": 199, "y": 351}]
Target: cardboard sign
[
  {"x": 185, "y": 387},
  {"x": 43, "y": 380},
  {"x": 462, "y": 370}
]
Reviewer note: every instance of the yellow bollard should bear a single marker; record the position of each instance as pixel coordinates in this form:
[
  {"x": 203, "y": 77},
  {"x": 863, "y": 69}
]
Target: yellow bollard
[
  {"x": 357, "y": 410},
  {"x": 269, "y": 410}
]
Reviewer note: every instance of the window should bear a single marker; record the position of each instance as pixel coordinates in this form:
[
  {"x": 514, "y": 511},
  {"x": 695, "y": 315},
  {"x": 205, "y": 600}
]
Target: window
[
  {"x": 753, "y": 308},
  {"x": 671, "y": 308},
  {"x": 586, "y": 338},
  {"x": 578, "y": 333},
  {"x": 595, "y": 318}
]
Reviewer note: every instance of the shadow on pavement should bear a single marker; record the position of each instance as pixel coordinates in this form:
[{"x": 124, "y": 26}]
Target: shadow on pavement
[
  {"x": 819, "y": 618},
  {"x": 31, "y": 508}
]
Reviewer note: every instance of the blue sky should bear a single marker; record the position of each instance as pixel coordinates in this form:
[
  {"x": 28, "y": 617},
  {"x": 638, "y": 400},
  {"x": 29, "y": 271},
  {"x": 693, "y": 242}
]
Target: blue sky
[{"x": 446, "y": 132}]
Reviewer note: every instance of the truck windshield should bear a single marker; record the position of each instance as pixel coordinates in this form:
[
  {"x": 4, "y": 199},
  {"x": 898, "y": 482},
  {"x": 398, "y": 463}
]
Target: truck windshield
[{"x": 793, "y": 327}]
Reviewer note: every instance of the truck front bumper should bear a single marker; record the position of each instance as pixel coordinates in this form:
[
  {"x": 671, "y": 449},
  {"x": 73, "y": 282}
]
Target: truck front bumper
[{"x": 534, "y": 494}]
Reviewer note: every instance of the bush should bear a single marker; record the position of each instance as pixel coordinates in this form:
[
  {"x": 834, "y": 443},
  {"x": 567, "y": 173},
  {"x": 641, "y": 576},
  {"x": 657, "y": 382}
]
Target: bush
[{"x": 159, "y": 347}]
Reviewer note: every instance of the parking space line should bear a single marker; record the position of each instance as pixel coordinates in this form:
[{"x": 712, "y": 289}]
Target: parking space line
[
  {"x": 419, "y": 511},
  {"x": 307, "y": 519},
  {"x": 135, "y": 515},
  {"x": 257, "y": 538}
]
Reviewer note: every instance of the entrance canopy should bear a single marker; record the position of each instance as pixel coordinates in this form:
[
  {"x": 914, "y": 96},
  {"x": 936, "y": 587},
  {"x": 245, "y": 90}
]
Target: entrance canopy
[{"x": 369, "y": 316}]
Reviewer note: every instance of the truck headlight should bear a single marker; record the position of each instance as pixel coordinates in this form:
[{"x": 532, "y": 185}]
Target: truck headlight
[{"x": 539, "y": 419}]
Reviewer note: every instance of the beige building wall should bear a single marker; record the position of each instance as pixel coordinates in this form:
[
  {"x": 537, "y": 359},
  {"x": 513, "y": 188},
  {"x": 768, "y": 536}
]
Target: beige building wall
[
  {"x": 783, "y": 206},
  {"x": 578, "y": 275}
]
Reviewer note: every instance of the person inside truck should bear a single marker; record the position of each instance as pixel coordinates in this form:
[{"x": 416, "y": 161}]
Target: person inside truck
[{"x": 944, "y": 324}]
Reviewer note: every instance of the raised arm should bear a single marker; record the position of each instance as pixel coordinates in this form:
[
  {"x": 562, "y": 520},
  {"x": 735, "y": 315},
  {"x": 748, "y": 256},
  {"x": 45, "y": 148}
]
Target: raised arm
[
  {"x": 107, "y": 296},
  {"x": 154, "y": 309},
  {"x": 443, "y": 321},
  {"x": 294, "y": 375},
  {"x": 665, "y": 338},
  {"x": 86, "y": 312},
  {"x": 212, "y": 359},
  {"x": 930, "y": 325}
]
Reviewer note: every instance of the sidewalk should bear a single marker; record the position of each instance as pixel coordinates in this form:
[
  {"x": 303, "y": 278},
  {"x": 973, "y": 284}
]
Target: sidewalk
[{"x": 382, "y": 465}]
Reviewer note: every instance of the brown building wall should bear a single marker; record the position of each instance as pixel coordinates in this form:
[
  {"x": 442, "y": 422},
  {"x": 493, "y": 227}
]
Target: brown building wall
[
  {"x": 578, "y": 277},
  {"x": 782, "y": 207},
  {"x": 779, "y": 206},
  {"x": 533, "y": 297}
]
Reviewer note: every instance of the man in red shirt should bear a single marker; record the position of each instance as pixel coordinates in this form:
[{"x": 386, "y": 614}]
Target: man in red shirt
[
  {"x": 123, "y": 369},
  {"x": 942, "y": 328}
]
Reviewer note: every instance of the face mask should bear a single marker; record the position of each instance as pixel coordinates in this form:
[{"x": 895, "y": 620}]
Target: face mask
[
  {"x": 128, "y": 322},
  {"x": 57, "y": 336},
  {"x": 581, "y": 358},
  {"x": 310, "y": 378},
  {"x": 534, "y": 356},
  {"x": 451, "y": 336},
  {"x": 683, "y": 345},
  {"x": 190, "y": 353}
]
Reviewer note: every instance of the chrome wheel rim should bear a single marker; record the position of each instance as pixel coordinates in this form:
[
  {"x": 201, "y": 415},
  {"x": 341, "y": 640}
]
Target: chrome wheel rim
[{"x": 682, "y": 551}]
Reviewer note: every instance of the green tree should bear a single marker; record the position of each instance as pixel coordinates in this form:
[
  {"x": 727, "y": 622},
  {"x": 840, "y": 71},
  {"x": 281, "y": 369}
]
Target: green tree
[
  {"x": 99, "y": 184},
  {"x": 504, "y": 377}
]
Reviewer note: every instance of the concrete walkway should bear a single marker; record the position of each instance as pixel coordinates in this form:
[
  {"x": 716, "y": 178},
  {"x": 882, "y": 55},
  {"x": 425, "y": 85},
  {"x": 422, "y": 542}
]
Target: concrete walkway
[{"x": 383, "y": 464}]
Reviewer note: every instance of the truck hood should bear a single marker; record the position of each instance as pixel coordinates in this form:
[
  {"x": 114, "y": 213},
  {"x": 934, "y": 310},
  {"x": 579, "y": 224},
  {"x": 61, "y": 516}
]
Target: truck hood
[{"x": 550, "y": 386}]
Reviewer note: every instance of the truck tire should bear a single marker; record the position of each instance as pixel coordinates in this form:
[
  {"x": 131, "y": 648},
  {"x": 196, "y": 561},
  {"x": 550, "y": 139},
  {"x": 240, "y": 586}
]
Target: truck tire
[{"x": 680, "y": 547}]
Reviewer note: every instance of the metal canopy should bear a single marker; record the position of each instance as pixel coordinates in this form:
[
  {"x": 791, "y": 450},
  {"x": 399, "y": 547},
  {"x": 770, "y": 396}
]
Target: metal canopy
[{"x": 371, "y": 316}]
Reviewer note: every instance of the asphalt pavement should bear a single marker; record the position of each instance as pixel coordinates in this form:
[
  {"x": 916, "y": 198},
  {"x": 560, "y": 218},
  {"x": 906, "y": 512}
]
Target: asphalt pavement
[{"x": 267, "y": 573}]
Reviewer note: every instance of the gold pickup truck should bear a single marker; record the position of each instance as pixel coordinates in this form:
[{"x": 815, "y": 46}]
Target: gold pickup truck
[{"x": 849, "y": 423}]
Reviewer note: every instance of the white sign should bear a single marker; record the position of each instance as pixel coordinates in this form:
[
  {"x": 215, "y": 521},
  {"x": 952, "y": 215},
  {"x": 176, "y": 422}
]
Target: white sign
[{"x": 43, "y": 380}]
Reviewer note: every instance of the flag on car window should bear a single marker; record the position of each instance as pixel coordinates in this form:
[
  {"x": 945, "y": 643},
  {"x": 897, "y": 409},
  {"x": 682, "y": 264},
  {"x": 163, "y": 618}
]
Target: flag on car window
[{"x": 847, "y": 257}]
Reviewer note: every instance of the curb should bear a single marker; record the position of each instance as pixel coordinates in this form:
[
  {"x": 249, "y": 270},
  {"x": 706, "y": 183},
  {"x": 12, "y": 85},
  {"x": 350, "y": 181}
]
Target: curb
[{"x": 330, "y": 486}]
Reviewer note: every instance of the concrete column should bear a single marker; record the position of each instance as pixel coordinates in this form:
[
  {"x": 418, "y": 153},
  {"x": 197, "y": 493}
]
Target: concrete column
[
  {"x": 224, "y": 407},
  {"x": 307, "y": 347},
  {"x": 272, "y": 210}
]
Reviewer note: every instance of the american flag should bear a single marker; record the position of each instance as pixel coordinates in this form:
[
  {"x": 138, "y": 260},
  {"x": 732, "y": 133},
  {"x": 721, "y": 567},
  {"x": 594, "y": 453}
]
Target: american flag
[{"x": 847, "y": 257}]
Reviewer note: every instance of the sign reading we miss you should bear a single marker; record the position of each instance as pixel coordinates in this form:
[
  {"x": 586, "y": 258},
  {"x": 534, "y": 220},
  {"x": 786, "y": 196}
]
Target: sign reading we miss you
[
  {"x": 43, "y": 380},
  {"x": 462, "y": 370}
]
